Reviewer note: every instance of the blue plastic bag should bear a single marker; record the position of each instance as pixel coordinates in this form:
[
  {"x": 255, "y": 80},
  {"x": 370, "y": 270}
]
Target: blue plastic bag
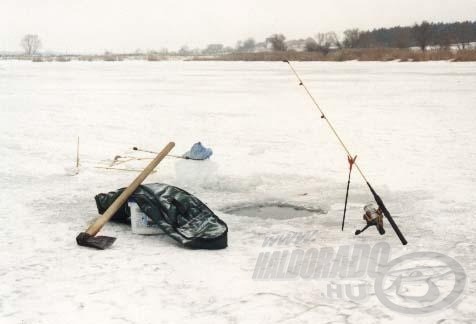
[{"x": 198, "y": 152}]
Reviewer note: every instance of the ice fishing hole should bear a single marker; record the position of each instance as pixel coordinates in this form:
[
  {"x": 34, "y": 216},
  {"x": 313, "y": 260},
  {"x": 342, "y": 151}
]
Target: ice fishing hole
[{"x": 274, "y": 211}]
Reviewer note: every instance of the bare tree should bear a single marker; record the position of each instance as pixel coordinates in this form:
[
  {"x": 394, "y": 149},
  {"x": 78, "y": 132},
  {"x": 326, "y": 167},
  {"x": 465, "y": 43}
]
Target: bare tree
[
  {"x": 30, "y": 44},
  {"x": 326, "y": 41},
  {"x": 184, "y": 51},
  {"x": 277, "y": 42},
  {"x": 422, "y": 34},
  {"x": 311, "y": 45},
  {"x": 247, "y": 45},
  {"x": 322, "y": 39},
  {"x": 213, "y": 49},
  {"x": 351, "y": 38},
  {"x": 334, "y": 40},
  {"x": 322, "y": 43}
]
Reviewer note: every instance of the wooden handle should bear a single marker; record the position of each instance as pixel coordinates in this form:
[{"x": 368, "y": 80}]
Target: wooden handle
[{"x": 104, "y": 218}]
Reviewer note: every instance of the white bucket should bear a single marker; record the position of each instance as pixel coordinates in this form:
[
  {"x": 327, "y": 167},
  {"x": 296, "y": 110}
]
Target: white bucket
[{"x": 140, "y": 222}]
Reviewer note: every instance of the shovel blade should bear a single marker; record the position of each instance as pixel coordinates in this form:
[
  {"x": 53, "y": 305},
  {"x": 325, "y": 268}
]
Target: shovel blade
[{"x": 97, "y": 242}]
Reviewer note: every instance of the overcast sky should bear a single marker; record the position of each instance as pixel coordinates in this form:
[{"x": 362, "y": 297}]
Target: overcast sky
[{"x": 126, "y": 25}]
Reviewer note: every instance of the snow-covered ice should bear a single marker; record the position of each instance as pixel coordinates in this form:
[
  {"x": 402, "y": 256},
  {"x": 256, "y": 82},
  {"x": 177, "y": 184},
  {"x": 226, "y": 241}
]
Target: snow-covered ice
[{"x": 411, "y": 124}]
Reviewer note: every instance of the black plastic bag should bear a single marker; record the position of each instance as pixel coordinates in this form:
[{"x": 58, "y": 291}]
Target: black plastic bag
[{"x": 178, "y": 213}]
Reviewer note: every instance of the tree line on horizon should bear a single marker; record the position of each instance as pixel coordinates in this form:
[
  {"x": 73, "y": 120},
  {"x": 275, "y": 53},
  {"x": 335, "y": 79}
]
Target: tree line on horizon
[{"x": 422, "y": 35}]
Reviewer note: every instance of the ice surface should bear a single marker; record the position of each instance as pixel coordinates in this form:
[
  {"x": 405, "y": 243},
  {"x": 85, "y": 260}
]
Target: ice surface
[{"x": 411, "y": 124}]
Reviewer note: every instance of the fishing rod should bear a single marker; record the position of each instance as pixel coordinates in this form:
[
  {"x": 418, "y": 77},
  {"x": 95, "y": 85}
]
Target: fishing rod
[
  {"x": 135, "y": 148},
  {"x": 352, "y": 161},
  {"x": 196, "y": 152}
]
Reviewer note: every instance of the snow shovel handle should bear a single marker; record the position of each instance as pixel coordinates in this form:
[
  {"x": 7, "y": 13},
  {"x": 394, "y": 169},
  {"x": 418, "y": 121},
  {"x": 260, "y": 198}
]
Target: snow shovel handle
[{"x": 104, "y": 218}]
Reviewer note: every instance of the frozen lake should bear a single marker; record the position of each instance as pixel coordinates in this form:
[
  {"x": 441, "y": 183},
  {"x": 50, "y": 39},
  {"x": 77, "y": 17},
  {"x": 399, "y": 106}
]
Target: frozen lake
[{"x": 412, "y": 126}]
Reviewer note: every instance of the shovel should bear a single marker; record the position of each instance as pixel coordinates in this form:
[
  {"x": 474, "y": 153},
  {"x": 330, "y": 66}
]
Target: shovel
[{"x": 89, "y": 237}]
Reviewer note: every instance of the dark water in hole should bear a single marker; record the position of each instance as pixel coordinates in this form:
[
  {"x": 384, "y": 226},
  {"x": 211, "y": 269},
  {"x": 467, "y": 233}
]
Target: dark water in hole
[{"x": 274, "y": 211}]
